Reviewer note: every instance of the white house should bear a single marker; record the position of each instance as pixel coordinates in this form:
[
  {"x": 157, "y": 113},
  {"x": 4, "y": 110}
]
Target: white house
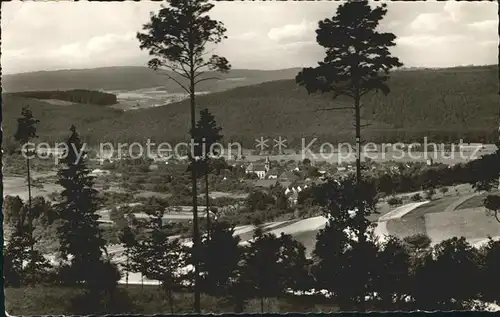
[{"x": 260, "y": 169}]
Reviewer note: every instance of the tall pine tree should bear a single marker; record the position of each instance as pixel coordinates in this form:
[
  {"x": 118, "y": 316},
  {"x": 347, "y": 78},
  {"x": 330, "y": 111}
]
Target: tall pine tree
[
  {"x": 357, "y": 62},
  {"x": 179, "y": 37},
  {"x": 26, "y": 131},
  {"x": 206, "y": 134},
  {"x": 79, "y": 234}
]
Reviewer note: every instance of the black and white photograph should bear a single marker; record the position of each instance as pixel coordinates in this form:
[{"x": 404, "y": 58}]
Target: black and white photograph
[{"x": 199, "y": 156}]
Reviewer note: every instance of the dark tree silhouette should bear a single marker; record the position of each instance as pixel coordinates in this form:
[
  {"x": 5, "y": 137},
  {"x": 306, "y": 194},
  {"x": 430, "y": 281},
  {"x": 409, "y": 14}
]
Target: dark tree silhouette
[
  {"x": 26, "y": 131},
  {"x": 492, "y": 203},
  {"x": 392, "y": 282},
  {"x": 12, "y": 210},
  {"x": 489, "y": 287},
  {"x": 128, "y": 240},
  {"x": 177, "y": 37},
  {"x": 159, "y": 257},
  {"x": 220, "y": 257},
  {"x": 20, "y": 246},
  {"x": 273, "y": 265},
  {"x": 343, "y": 243},
  {"x": 79, "y": 234},
  {"x": 357, "y": 61},
  {"x": 205, "y": 135},
  {"x": 453, "y": 270}
]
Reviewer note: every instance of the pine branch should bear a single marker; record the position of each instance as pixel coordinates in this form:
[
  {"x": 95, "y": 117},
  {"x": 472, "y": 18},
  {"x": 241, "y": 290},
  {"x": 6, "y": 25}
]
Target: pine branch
[{"x": 205, "y": 79}]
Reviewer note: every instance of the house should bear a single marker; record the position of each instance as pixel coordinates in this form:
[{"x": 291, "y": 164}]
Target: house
[
  {"x": 98, "y": 172},
  {"x": 289, "y": 176},
  {"x": 293, "y": 193},
  {"x": 266, "y": 183},
  {"x": 260, "y": 169},
  {"x": 272, "y": 174}
]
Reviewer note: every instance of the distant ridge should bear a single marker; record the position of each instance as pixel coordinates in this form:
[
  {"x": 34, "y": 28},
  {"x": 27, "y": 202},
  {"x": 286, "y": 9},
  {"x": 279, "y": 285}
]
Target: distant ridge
[
  {"x": 443, "y": 105},
  {"x": 132, "y": 78}
]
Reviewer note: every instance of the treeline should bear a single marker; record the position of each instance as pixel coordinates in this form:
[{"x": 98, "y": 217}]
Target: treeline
[
  {"x": 481, "y": 173},
  {"x": 76, "y": 95}
]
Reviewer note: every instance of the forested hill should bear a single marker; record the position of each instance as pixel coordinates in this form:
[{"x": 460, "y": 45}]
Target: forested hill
[
  {"x": 132, "y": 78},
  {"x": 444, "y": 105},
  {"x": 76, "y": 96}
]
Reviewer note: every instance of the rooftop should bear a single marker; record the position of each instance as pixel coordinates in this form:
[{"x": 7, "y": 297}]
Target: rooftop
[{"x": 256, "y": 167}]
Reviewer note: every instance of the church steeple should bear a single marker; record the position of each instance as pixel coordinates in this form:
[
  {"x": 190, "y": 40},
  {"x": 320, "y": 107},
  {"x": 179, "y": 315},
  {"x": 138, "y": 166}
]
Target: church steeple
[{"x": 267, "y": 165}]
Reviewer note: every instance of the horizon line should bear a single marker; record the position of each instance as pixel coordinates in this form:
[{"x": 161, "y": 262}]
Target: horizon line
[{"x": 234, "y": 69}]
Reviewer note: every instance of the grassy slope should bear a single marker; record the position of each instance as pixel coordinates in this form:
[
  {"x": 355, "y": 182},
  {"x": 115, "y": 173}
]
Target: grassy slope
[
  {"x": 476, "y": 201},
  {"x": 414, "y": 222},
  {"x": 460, "y": 100},
  {"x": 134, "y": 299}
]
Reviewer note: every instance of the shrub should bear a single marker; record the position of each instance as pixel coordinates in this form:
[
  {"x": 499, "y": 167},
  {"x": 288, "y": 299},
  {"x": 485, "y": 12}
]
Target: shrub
[
  {"x": 429, "y": 193},
  {"x": 394, "y": 201},
  {"x": 443, "y": 190},
  {"x": 417, "y": 197},
  {"x": 418, "y": 241}
]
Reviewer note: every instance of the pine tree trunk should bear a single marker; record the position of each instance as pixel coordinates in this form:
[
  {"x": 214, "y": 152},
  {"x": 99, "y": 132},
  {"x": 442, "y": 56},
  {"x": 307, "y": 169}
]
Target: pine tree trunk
[
  {"x": 32, "y": 245},
  {"x": 170, "y": 300},
  {"x": 196, "y": 233},
  {"x": 498, "y": 8},
  {"x": 262, "y": 304},
  {"x": 360, "y": 212},
  {"x": 126, "y": 273},
  {"x": 207, "y": 201}
]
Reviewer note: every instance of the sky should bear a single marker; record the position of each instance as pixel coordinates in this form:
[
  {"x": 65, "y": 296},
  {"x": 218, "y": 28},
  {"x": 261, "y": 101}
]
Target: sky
[{"x": 261, "y": 35}]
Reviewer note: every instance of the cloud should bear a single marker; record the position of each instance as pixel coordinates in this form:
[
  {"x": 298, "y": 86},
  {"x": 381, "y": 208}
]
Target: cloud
[
  {"x": 428, "y": 40},
  {"x": 486, "y": 25},
  {"x": 94, "y": 46},
  {"x": 262, "y": 35},
  {"x": 427, "y": 22},
  {"x": 244, "y": 36},
  {"x": 293, "y": 32},
  {"x": 105, "y": 42},
  {"x": 489, "y": 43},
  {"x": 470, "y": 12}
]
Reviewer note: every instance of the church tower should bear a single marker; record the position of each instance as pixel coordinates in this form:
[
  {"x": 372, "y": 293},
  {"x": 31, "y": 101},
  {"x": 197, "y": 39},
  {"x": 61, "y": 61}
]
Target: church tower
[{"x": 267, "y": 165}]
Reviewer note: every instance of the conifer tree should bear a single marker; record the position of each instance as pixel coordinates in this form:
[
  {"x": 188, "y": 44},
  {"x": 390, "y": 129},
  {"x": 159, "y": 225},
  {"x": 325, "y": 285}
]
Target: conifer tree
[
  {"x": 79, "y": 234},
  {"x": 158, "y": 257},
  {"x": 219, "y": 260},
  {"x": 206, "y": 134},
  {"x": 25, "y": 264},
  {"x": 272, "y": 265},
  {"x": 128, "y": 239},
  {"x": 26, "y": 131},
  {"x": 357, "y": 62},
  {"x": 178, "y": 37}
]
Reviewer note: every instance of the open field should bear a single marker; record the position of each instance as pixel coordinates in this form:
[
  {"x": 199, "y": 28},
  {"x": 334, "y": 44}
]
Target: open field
[
  {"x": 476, "y": 201},
  {"x": 16, "y": 186},
  {"x": 447, "y": 217},
  {"x": 472, "y": 223},
  {"x": 401, "y": 211}
]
